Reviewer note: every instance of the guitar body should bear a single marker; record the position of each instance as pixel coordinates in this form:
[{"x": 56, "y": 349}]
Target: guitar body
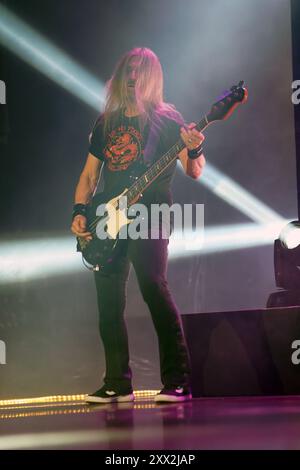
[{"x": 101, "y": 252}]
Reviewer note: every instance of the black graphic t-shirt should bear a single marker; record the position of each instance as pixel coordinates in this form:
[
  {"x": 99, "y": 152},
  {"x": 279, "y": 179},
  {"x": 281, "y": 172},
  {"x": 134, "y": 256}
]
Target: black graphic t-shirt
[{"x": 123, "y": 148}]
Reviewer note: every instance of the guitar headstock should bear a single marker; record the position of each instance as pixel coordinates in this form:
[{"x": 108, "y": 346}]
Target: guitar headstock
[{"x": 225, "y": 106}]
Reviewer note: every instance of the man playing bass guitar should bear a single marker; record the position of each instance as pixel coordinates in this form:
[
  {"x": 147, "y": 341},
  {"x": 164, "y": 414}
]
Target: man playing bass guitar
[{"x": 137, "y": 125}]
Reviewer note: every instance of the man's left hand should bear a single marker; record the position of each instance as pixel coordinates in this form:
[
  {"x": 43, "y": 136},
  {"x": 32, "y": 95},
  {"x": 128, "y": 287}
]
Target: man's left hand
[{"x": 191, "y": 137}]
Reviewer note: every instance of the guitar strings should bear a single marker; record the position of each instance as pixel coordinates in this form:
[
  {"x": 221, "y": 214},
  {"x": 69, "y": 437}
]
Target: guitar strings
[{"x": 94, "y": 223}]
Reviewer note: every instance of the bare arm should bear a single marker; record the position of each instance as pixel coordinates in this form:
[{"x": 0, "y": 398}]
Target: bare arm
[
  {"x": 88, "y": 180},
  {"x": 84, "y": 192},
  {"x": 192, "y": 139},
  {"x": 192, "y": 168}
]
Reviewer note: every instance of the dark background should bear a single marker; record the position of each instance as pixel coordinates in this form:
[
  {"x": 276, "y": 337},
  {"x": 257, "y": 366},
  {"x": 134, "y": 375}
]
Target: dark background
[{"x": 205, "y": 47}]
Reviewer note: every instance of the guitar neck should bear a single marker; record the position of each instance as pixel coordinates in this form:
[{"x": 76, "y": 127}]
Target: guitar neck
[{"x": 159, "y": 166}]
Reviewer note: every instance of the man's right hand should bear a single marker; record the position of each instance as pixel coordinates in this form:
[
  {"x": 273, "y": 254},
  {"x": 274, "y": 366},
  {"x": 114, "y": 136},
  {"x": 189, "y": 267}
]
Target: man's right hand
[{"x": 78, "y": 227}]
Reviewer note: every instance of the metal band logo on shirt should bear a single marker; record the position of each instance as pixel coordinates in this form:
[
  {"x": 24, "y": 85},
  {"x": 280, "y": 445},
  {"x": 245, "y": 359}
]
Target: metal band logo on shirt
[{"x": 123, "y": 148}]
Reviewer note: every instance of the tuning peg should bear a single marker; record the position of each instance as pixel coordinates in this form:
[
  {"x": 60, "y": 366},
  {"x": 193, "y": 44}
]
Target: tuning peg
[{"x": 240, "y": 85}]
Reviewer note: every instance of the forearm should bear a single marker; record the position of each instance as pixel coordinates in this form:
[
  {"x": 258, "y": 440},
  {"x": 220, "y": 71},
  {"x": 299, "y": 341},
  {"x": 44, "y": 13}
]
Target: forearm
[
  {"x": 192, "y": 138},
  {"x": 85, "y": 189},
  {"x": 195, "y": 167}
]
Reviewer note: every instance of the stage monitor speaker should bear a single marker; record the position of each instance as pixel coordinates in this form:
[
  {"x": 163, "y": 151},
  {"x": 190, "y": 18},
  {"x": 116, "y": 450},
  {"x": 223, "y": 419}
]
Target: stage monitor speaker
[{"x": 250, "y": 352}]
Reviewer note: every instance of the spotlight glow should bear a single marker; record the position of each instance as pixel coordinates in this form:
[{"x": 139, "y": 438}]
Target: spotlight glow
[
  {"x": 237, "y": 196},
  {"x": 33, "y": 259},
  {"x": 226, "y": 238},
  {"x": 290, "y": 235},
  {"x": 22, "y": 261},
  {"x": 34, "y": 49}
]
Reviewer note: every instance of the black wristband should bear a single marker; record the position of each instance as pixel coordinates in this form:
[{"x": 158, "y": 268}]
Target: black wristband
[
  {"x": 79, "y": 209},
  {"x": 195, "y": 153}
]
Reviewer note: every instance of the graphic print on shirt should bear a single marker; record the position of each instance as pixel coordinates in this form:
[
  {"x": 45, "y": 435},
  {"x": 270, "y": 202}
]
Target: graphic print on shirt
[{"x": 123, "y": 148}]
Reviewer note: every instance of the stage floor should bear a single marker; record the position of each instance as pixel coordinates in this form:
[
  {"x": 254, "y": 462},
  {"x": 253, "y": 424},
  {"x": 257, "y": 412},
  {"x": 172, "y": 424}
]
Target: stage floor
[{"x": 206, "y": 423}]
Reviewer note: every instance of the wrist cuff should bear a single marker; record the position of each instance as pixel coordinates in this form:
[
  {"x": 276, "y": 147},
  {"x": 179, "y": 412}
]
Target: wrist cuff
[
  {"x": 195, "y": 153},
  {"x": 79, "y": 209}
]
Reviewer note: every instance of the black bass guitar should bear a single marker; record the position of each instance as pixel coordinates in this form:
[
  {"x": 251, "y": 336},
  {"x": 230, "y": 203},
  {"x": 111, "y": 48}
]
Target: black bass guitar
[{"x": 101, "y": 252}]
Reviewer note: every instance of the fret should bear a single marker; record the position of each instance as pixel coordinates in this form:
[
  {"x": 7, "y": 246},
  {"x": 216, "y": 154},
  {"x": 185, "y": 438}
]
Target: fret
[
  {"x": 140, "y": 185},
  {"x": 130, "y": 195}
]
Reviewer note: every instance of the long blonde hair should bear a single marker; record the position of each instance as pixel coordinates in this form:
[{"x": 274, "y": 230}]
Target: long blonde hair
[{"x": 148, "y": 88}]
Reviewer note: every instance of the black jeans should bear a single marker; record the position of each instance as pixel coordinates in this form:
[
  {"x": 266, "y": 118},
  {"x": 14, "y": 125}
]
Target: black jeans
[{"x": 149, "y": 259}]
